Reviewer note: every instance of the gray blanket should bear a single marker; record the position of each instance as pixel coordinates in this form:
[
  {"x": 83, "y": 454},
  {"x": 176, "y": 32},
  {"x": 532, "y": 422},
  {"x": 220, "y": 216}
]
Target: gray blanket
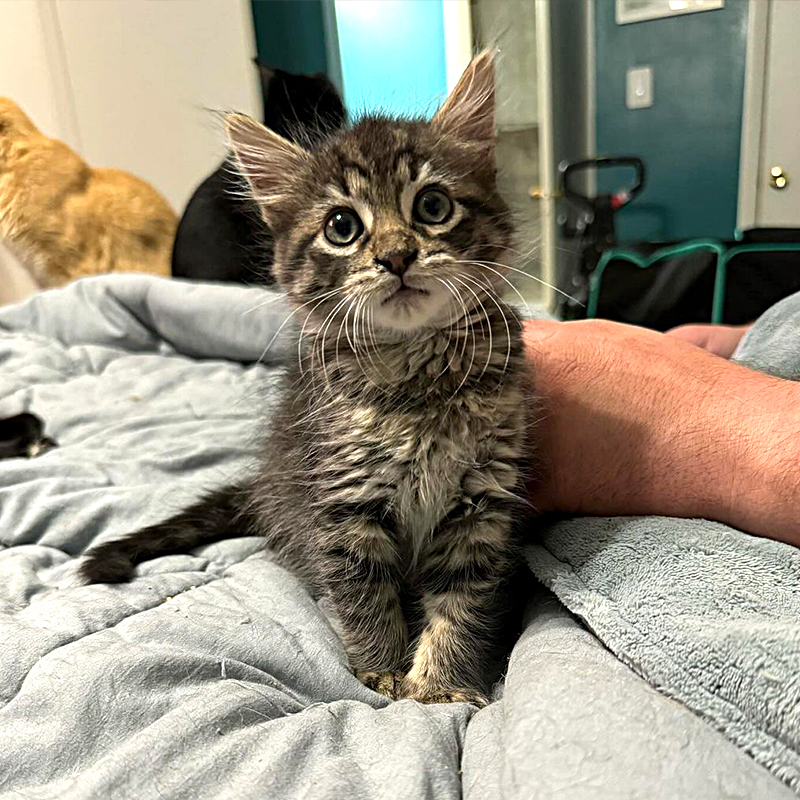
[
  {"x": 708, "y": 614},
  {"x": 214, "y": 674}
]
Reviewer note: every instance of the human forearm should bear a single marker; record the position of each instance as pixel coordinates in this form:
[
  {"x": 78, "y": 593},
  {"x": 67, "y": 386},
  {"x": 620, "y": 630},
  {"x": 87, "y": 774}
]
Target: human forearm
[
  {"x": 767, "y": 499},
  {"x": 639, "y": 423},
  {"x": 730, "y": 450}
]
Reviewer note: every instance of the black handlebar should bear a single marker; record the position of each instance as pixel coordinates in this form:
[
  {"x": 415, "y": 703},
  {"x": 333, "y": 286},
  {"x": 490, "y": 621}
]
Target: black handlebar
[{"x": 616, "y": 200}]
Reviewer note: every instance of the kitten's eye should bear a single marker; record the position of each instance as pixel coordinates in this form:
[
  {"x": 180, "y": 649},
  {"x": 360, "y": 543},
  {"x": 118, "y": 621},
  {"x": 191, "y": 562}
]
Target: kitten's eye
[
  {"x": 433, "y": 207},
  {"x": 343, "y": 227}
]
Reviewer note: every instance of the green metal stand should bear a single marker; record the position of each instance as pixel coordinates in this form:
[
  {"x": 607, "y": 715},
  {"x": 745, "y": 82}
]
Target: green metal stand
[{"x": 723, "y": 252}]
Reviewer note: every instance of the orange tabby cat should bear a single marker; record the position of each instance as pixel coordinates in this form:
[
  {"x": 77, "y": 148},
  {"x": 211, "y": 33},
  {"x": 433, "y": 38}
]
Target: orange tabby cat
[{"x": 65, "y": 220}]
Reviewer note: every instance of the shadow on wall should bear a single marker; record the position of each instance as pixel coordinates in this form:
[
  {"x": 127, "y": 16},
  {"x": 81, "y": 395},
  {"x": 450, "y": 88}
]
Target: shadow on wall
[
  {"x": 689, "y": 139},
  {"x": 15, "y": 282}
]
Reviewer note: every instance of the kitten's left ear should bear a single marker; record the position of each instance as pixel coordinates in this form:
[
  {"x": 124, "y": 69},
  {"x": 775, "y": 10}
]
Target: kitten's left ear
[
  {"x": 266, "y": 160},
  {"x": 266, "y": 73},
  {"x": 468, "y": 112}
]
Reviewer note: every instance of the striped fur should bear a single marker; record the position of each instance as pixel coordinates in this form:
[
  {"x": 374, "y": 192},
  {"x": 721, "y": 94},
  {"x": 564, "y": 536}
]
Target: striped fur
[{"x": 393, "y": 472}]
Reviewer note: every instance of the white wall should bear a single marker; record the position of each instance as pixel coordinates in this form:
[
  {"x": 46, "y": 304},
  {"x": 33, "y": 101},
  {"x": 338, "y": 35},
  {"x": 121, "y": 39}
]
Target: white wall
[
  {"x": 147, "y": 78},
  {"x": 132, "y": 83},
  {"x": 26, "y": 74}
]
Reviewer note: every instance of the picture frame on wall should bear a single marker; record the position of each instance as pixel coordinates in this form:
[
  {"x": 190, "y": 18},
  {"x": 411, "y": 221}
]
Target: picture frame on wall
[{"x": 641, "y": 10}]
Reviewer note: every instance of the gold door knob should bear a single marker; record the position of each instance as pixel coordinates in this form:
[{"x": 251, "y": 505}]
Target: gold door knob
[
  {"x": 778, "y": 178},
  {"x": 537, "y": 193}
]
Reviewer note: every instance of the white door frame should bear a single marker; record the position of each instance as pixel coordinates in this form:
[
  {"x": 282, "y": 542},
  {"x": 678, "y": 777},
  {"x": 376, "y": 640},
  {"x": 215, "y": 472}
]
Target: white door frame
[
  {"x": 458, "y": 51},
  {"x": 547, "y": 218},
  {"x": 755, "y": 71},
  {"x": 457, "y": 38}
]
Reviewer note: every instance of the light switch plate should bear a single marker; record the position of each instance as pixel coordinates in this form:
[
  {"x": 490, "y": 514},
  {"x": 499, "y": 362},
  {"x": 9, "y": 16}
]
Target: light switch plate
[{"x": 639, "y": 87}]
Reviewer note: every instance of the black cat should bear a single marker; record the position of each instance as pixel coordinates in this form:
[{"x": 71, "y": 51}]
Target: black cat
[
  {"x": 23, "y": 436},
  {"x": 221, "y": 236}
]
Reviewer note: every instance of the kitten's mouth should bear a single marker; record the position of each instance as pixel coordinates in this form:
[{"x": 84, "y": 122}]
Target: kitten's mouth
[{"x": 404, "y": 292}]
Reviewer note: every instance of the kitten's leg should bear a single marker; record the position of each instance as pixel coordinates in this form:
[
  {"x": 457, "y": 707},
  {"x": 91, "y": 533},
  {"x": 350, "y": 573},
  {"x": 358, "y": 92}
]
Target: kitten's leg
[
  {"x": 359, "y": 570},
  {"x": 467, "y": 565}
]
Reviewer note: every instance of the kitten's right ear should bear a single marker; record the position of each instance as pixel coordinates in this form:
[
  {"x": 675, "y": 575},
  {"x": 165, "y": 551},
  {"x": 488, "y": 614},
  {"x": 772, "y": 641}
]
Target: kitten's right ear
[
  {"x": 468, "y": 111},
  {"x": 265, "y": 159}
]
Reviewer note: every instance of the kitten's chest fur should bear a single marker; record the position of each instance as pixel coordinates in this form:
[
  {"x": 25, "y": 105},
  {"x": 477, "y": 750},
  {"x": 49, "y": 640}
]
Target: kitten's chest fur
[
  {"x": 412, "y": 462},
  {"x": 438, "y": 426}
]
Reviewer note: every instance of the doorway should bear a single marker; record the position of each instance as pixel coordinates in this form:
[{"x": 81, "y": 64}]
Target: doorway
[{"x": 769, "y": 180}]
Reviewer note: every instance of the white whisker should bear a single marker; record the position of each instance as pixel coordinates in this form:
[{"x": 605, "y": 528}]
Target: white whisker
[
  {"x": 533, "y": 278},
  {"x": 324, "y": 332},
  {"x": 460, "y": 300},
  {"x": 502, "y": 277},
  {"x": 301, "y": 337},
  {"x": 489, "y": 324},
  {"x": 502, "y": 309},
  {"x": 283, "y": 324}
]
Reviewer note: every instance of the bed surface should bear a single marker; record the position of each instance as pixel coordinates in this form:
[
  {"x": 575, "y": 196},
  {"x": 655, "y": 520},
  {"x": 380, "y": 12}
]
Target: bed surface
[{"x": 214, "y": 674}]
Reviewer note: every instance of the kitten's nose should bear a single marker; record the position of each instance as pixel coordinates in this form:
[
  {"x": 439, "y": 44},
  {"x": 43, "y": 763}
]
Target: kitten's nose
[{"x": 397, "y": 262}]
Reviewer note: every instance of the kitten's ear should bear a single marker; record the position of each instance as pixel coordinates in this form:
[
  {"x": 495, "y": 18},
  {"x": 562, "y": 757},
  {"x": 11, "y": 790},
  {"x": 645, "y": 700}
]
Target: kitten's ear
[
  {"x": 265, "y": 159},
  {"x": 266, "y": 74},
  {"x": 468, "y": 112}
]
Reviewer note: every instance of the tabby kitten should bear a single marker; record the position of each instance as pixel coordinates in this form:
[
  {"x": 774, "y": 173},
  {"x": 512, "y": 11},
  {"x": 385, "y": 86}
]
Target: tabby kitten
[
  {"x": 65, "y": 220},
  {"x": 392, "y": 474}
]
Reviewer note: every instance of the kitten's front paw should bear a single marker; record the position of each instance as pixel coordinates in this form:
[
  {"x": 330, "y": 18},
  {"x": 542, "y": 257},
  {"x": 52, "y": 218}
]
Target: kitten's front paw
[
  {"x": 421, "y": 694},
  {"x": 386, "y": 682}
]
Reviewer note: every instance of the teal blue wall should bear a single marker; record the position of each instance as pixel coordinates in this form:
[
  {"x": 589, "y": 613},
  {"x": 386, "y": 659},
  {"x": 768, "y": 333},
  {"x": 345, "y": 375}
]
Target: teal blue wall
[
  {"x": 392, "y": 55},
  {"x": 391, "y": 51},
  {"x": 690, "y": 138},
  {"x": 290, "y": 34}
]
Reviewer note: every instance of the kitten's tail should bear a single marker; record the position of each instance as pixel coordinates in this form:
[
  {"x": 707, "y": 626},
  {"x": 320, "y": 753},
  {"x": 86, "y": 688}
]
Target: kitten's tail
[{"x": 220, "y": 514}]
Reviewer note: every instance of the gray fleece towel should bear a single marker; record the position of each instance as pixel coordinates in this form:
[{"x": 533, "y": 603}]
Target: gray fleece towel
[{"x": 708, "y": 614}]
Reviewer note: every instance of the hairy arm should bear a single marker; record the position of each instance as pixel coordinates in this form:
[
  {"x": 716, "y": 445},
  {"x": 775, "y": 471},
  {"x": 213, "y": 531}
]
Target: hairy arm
[{"x": 636, "y": 422}]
